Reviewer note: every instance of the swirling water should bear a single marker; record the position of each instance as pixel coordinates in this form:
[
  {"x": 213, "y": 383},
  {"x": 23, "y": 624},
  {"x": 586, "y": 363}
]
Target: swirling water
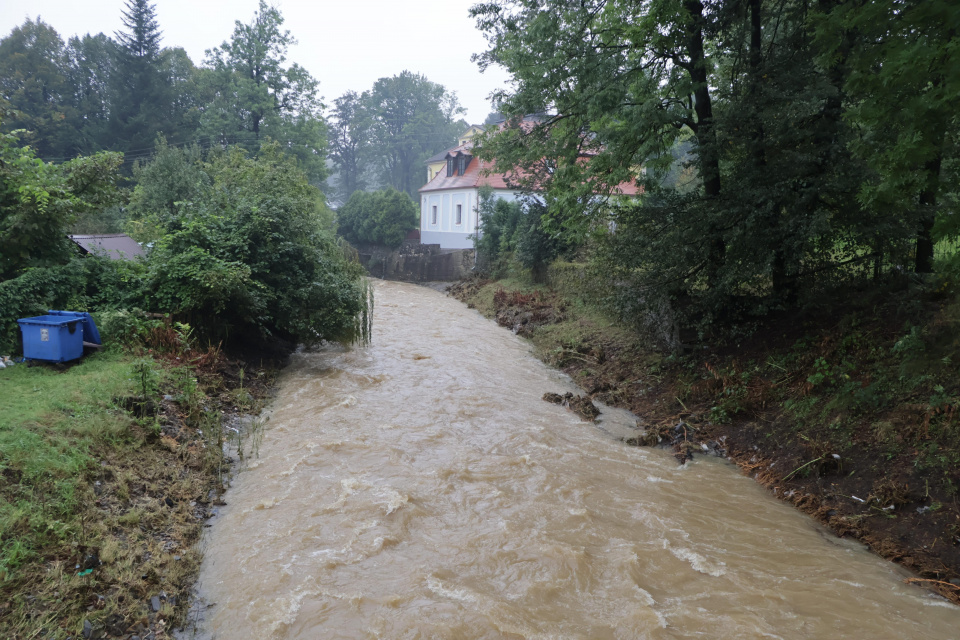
[{"x": 420, "y": 488}]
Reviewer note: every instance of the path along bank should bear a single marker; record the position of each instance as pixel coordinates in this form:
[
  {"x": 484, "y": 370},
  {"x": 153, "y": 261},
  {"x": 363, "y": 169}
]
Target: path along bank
[{"x": 850, "y": 414}]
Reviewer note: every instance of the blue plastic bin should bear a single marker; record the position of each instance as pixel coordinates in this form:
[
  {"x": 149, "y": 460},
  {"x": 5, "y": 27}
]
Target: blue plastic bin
[
  {"x": 52, "y": 338},
  {"x": 90, "y": 333}
]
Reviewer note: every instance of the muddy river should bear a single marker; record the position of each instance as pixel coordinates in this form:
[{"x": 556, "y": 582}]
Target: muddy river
[{"x": 420, "y": 488}]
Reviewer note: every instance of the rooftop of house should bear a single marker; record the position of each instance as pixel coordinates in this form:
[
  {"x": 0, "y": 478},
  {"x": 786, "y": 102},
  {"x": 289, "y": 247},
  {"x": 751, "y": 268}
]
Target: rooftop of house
[
  {"x": 116, "y": 246},
  {"x": 481, "y": 174}
]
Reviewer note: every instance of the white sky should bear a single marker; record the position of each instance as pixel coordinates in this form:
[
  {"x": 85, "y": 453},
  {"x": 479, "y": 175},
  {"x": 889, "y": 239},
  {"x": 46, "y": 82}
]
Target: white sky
[{"x": 345, "y": 44}]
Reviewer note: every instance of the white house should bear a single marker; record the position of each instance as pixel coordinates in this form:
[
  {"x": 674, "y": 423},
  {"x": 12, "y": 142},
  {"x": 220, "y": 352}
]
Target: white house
[{"x": 448, "y": 202}]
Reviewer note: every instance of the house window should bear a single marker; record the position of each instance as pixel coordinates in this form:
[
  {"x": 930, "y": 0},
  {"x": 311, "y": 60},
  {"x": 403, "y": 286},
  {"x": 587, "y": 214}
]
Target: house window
[
  {"x": 449, "y": 167},
  {"x": 433, "y": 218},
  {"x": 462, "y": 161},
  {"x": 459, "y": 214}
]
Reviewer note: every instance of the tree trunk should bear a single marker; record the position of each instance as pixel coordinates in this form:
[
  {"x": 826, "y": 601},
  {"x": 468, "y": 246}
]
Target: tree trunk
[
  {"x": 928, "y": 212},
  {"x": 706, "y": 133}
]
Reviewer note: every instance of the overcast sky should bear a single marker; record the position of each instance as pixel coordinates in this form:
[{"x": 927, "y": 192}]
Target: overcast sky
[{"x": 345, "y": 44}]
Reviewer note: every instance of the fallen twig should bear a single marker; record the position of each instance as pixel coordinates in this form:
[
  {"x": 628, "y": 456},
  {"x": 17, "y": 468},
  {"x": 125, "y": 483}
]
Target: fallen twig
[{"x": 787, "y": 477}]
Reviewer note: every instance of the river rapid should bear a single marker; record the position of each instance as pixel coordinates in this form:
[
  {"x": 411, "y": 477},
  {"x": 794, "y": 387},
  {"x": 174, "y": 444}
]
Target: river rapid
[{"x": 420, "y": 488}]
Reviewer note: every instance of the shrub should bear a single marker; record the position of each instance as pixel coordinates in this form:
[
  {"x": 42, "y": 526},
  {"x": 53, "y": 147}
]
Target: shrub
[{"x": 379, "y": 217}]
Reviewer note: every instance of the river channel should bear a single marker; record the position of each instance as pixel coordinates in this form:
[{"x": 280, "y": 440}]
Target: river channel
[{"x": 420, "y": 488}]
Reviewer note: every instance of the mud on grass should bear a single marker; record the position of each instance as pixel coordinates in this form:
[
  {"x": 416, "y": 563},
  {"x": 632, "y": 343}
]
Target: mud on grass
[
  {"x": 110, "y": 468},
  {"x": 851, "y": 414}
]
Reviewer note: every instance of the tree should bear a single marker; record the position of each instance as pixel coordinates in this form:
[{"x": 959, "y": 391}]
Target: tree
[
  {"x": 411, "y": 119},
  {"x": 92, "y": 63},
  {"x": 39, "y": 200},
  {"x": 621, "y": 80},
  {"x": 901, "y": 59},
  {"x": 256, "y": 97},
  {"x": 34, "y": 85},
  {"x": 380, "y": 217},
  {"x": 140, "y": 91},
  {"x": 349, "y": 143},
  {"x": 740, "y": 92},
  {"x": 172, "y": 182},
  {"x": 254, "y": 254}
]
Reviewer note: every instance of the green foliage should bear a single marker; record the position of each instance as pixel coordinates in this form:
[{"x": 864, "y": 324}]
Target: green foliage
[
  {"x": 34, "y": 84},
  {"x": 125, "y": 327},
  {"x": 350, "y": 148},
  {"x": 172, "y": 181},
  {"x": 410, "y": 118},
  {"x": 772, "y": 139},
  {"x": 252, "y": 254},
  {"x": 380, "y": 217},
  {"x": 39, "y": 200},
  {"x": 256, "y": 98},
  {"x": 516, "y": 230}
]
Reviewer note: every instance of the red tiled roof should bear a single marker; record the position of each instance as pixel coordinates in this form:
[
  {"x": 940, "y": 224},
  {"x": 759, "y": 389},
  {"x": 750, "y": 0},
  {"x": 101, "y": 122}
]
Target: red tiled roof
[
  {"x": 475, "y": 177},
  {"x": 471, "y": 178}
]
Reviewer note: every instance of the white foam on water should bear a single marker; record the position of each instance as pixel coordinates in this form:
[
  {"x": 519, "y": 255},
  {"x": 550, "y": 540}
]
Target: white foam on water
[
  {"x": 462, "y": 595},
  {"x": 698, "y": 562},
  {"x": 395, "y": 499}
]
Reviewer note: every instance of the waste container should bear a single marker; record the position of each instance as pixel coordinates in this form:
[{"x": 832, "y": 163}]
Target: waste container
[
  {"x": 52, "y": 338},
  {"x": 90, "y": 333}
]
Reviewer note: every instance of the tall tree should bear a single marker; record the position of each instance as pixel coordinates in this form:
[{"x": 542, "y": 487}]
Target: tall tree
[
  {"x": 92, "y": 62},
  {"x": 257, "y": 97},
  {"x": 349, "y": 128},
  {"x": 904, "y": 88},
  {"x": 34, "y": 85},
  {"x": 141, "y": 92},
  {"x": 411, "y": 118},
  {"x": 622, "y": 80}
]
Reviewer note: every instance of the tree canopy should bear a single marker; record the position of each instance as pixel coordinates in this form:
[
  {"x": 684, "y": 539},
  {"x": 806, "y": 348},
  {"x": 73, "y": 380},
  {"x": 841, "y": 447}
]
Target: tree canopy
[
  {"x": 381, "y": 217},
  {"x": 390, "y": 131},
  {"x": 807, "y": 168}
]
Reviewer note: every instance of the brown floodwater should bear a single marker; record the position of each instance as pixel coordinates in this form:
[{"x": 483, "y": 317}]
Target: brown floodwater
[{"x": 420, "y": 488}]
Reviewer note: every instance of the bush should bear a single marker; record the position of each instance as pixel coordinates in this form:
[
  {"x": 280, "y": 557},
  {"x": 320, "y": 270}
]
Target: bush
[
  {"x": 254, "y": 257},
  {"x": 89, "y": 283},
  {"x": 514, "y": 230},
  {"x": 379, "y": 217}
]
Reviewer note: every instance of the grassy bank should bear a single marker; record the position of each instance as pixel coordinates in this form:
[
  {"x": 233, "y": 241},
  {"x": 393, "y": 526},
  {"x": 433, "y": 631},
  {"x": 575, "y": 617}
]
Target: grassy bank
[
  {"x": 110, "y": 467},
  {"x": 849, "y": 412}
]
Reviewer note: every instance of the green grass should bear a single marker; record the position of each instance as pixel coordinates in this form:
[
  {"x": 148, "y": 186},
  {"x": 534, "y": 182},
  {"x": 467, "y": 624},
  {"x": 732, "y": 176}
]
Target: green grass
[{"x": 50, "y": 424}]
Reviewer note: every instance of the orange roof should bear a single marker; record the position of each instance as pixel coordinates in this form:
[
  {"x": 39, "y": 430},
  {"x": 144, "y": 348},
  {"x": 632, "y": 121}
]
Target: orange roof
[
  {"x": 479, "y": 174},
  {"x": 471, "y": 178}
]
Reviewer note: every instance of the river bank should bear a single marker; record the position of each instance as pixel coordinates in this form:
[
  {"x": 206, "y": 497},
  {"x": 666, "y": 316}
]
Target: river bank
[
  {"x": 851, "y": 416},
  {"x": 111, "y": 467}
]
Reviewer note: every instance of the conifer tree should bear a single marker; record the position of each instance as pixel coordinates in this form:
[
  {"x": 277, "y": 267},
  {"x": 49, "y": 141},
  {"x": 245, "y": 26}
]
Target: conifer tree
[{"x": 140, "y": 92}]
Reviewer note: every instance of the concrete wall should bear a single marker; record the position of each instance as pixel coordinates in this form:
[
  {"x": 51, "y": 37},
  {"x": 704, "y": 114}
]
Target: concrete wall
[{"x": 415, "y": 262}]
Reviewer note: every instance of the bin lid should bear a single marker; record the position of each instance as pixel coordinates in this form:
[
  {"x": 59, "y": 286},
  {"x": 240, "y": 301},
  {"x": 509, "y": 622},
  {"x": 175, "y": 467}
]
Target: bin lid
[
  {"x": 90, "y": 333},
  {"x": 50, "y": 321}
]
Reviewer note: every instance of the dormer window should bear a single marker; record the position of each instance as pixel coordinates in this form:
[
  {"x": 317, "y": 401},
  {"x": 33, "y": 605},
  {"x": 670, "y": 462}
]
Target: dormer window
[
  {"x": 449, "y": 167},
  {"x": 463, "y": 161}
]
